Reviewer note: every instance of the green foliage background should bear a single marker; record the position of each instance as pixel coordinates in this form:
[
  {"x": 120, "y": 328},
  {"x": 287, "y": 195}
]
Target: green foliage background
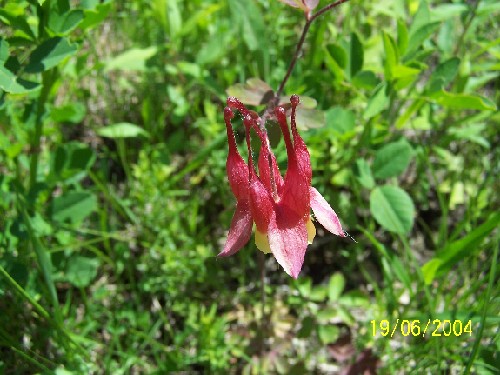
[{"x": 114, "y": 199}]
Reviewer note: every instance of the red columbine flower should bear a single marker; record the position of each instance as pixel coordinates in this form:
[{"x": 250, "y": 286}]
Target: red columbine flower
[{"x": 279, "y": 207}]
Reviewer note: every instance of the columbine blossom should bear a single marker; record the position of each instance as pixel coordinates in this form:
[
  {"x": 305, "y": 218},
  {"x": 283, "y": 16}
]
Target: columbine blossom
[{"x": 279, "y": 207}]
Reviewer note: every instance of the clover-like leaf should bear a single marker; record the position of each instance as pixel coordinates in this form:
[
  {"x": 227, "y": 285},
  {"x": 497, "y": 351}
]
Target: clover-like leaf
[{"x": 254, "y": 92}]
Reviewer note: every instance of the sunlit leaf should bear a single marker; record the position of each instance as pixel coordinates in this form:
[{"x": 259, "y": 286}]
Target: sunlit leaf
[
  {"x": 393, "y": 208},
  {"x": 253, "y": 92},
  {"x": 49, "y": 54},
  {"x": 122, "y": 130}
]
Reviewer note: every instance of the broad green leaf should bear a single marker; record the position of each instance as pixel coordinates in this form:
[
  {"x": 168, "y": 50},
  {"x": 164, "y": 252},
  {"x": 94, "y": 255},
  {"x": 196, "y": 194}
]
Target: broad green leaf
[
  {"x": 132, "y": 59},
  {"x": 308, "y": 324},
  {"x": 422, "y": 17},
  {"x": 392, "y": 208},
  {"x": 328, "y": 333},
  {"x": 354, "y": 298},
  {"x": 122, "y": 130},
  {"x": 364, "y": 174},
  {"x": 357, "y": 55},
  {"x": 17, "y": 22},
  {"x": 403, "y": 71},
  {"x": 444, "y": 74},
  {"x": 365, "y": 79},
  {"x": 419, "y": 37},
  {"x": 456, "y": 251},
  {"x": 81, "y": 270},
  {"x": 339, "y": 54},
  {"x": 10, "y": 83},
  {"x": 66, "y": 22},
  {"x": 335, "y": 286},
  {"x": 49, "y": 54},
  {"x": 70, "y": 112},
  {"x": 461, "y": 101},
  {"x": 4, "y": 50},
  {"x": 378, "y": 102},
  {"x": 94, "y": 17},
  {"x": 332, "y": 57},
  {"x": 70, "y": 160},
  {"x": 174, "y": 16},
  {"x": 391, "y": 56},
  {"x": 62, "y": 19},
  {"x": 442, "y": 12},
  {"x": 402, "y": 42},
  {"x": 73, "y": 206},
  {"x": 340, "y": 120},
  {"x": 40, "y": 227},
  {"x": 392, "y": 159},
  {"x": 310, "y": 118}
]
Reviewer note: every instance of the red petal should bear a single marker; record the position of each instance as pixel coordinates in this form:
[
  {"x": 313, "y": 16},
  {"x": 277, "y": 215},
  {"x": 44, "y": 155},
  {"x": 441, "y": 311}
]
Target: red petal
[
  {"x": 325, "y": 214},
  {"x": 287, "y": 236},
  {"x": 298, "y": 177},
  {"x": 240, "y": 231},
  {"x": 262, "y": 204},
  {"x": 267, "y": 160},
  {"x": 237, "y": 171},
  {"x": 301, "y": 151}
]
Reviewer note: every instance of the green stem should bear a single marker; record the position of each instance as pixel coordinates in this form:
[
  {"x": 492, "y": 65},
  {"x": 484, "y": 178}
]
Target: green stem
[
  {"x": 47, "y": 82},
  {"x": 486, "y": 305}
]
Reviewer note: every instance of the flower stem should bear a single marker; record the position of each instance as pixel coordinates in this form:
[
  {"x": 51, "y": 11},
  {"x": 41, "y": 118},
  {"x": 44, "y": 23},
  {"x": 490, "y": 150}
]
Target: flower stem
[
  {"x": 307, "y": 25},
  {"x": 262, "y": 325}
]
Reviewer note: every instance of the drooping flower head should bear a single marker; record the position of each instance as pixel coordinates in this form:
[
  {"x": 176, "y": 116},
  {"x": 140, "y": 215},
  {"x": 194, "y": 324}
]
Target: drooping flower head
[{"x": 279, "y": 207}]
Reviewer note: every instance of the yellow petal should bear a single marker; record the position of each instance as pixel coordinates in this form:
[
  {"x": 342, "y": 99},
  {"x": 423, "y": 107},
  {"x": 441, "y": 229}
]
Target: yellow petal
[
  {"x": 311, "y": 231},
  {"x": 262, "y": 242}
]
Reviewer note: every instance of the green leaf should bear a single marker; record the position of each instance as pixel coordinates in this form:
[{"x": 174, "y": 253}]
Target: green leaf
[
  {"x": 335, "y": 286},
  {"x": 378, "y": 102},
  {"x": 310, "y": 118},
  {"x": 391, "y": 55},
  {"x": 49, "y": 54},
  {"x": 250, "y": 19},
  {"x": 328, "y": 333},
  {"x": 392, "y": 159},
  {"x": 62, "y": 19},
  {"x": 132, "y": 59},
  {"x": 365, "y": 79},
  {"x": 456, "y": 251},
  {"x": 73, "y": 206},
  {"x": 10, "y": 83},
  {"x": 392, "y": 208},
  {"x": 419, "y": 37},
  {"x": 402, "y": 42},
  {"x": 4, "y": 51},
  {"x": 472, "y": 132},
  {"x": 253, "y": 92},
  {"x": 70, "y": 112},
  {"x": 93, "y": 17},
  {"x": 444, "y": 74},
  {"x": 67, "y": 22},
  {"x": 70, "y": 160},
  {"x": 80, "y": 270},
  {"x": 17, "y": 22},
  {"x": 461, "y": 101},
  {"x": 354, "y": 298},
  {"x": 340, "y": 120},
  {"x": 357, "y": 55},
  {"x": 122, "y": 130},
  {"x": 364, "y": 174}
]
